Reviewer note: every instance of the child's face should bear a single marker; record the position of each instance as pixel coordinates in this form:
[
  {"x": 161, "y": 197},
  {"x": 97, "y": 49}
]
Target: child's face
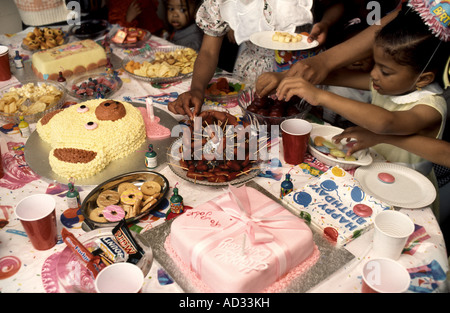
[
  {"x": 178, "y": 15},
  {"x": 389, "y": 77}
]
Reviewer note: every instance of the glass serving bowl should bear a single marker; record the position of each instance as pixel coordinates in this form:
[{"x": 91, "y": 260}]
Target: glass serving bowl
[
  {"x": 89, "y": 29},
  {"x": 98, "y": 78},
  {"x": 149, "y": 57},
  {"x": 270, "y": 111},
  {"x": 30, "y": 106},
  {"x": 215, "y": 95}
]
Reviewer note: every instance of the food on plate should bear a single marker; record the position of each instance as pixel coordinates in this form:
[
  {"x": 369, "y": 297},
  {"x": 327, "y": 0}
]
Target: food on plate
[
  {"x": 286, "y": 37},
  {"x": 99, "y": 87},
  {"x": 86, "y": 137},
  {"x": 128, "y": 35},
  {"x": 331, "y": 149},
  {"x": 209, "y": 161},
  {"x": 165, "y": 64},
  {"x": 29, "y": 99},
  {"x": 269, "y": 107},
  {"x": 71, "y": 58},
  {"x": 223, "y": 87},
  {"x": 44, "y": 38},
  {"x": 126, "y": 201},
  {"x": 219, "y": 250}
]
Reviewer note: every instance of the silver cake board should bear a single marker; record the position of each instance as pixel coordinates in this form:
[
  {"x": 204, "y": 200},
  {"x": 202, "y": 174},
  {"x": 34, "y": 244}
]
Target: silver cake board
[{"x": 331, "y": 258}]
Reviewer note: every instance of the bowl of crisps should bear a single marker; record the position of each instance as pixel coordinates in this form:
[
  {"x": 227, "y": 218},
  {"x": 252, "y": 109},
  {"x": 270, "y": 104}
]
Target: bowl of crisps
[
  {"x": 161, "y": 65},
  {"x": 224, "y": 89},
  {"x": 31, "y": 99}
]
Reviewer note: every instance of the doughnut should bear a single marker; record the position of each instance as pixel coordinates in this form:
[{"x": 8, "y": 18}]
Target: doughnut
[
  {"x": 131, "y": 196},
  {"x": 113, "y": 213},
  {"x": 108, "y": 197},
  {"x": 150, "y": 188},
  {"x": 124, "y": 186},
  {"x": 97, "y": 215}
]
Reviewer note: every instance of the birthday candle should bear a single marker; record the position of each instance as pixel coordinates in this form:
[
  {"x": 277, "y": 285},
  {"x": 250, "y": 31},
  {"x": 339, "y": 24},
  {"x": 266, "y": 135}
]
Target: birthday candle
[{"x": 150, "y": 113}]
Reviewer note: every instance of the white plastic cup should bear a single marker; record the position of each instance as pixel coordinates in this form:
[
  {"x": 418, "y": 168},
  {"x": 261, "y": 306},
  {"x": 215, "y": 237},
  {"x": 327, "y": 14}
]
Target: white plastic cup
[
  {"x": 392, "y": 229},
  {"x": 384, "y": 276},
  {"x": 38, "y": 217},
  {"x": 120, "y": 277}
]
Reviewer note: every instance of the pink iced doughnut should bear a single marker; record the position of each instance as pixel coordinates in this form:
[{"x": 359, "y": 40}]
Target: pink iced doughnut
[{"x": 113, "y": 213}]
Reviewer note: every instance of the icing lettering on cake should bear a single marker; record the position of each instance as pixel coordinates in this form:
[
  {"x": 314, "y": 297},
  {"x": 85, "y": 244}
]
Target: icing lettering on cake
[{"x": 232, "y": 244}]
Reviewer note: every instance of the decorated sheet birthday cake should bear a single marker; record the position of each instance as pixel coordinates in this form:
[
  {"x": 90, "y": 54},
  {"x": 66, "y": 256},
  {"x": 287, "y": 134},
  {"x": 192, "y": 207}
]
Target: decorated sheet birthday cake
[
  {"x": 336, "y": 205},
  {"x": 241, "y": 241}
]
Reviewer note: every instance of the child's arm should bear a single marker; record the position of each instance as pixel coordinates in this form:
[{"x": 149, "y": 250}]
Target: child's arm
[
  {"x": 421, "y": 118},
  {"x": 204, "y": 68},
  {"x": 434, "y": 150}
]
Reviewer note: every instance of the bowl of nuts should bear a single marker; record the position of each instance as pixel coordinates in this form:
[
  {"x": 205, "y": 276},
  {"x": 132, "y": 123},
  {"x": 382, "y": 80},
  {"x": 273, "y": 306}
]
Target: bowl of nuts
[{"x": 31, "y": 99}]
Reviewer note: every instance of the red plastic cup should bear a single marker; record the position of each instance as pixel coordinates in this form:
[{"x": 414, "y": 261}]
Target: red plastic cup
[
  {"x": 295, "y": 133},
  {"x": 37, "y": 213},
  {"x": 5, "y": 70}
]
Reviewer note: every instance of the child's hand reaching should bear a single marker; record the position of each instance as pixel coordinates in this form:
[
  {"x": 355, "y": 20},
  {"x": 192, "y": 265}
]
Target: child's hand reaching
[
  {"x": 298, "y": 86},
  {"x": 133, "y": 11},
  {"x": 364, "y": 138},
  {"x": 267, "y": 83}
]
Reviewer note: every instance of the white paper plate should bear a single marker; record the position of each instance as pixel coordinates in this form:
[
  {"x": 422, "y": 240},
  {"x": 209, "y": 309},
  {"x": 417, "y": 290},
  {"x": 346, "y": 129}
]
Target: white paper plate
[
  {"x": 410, "y": 190},
  {"x": 264, "y": 40}
]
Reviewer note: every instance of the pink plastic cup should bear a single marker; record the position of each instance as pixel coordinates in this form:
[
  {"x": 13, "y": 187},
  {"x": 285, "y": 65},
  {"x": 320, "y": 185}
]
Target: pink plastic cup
[
  {"x": 5, "y": 70},
  {"x": 38, "y": 217},
  {"x": 384, "y": 276},
  {"x": 295, "y": 133}
]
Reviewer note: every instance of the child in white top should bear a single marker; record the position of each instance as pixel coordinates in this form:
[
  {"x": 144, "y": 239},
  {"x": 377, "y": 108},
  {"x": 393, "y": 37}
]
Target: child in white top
[{"x": 406, "y": 97}]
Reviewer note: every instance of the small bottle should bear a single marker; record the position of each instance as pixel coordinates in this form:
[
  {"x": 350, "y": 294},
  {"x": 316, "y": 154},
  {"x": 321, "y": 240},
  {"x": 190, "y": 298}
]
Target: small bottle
[
  {"x": 176, "y": 202},
  {"x": 61, "y": 78},
  {"x": 24, "y": 128},
  {"x": 18, "y": 61},
  {"x": 286, "y": 186},
  {"x": 150, "y": 158},
  {"x": 73, "y": 197}
]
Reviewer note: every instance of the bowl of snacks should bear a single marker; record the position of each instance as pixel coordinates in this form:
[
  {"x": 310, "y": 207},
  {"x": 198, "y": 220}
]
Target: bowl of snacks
[
  {"x": 44, "y": 38},
  {"x": 161, "y": 65},
  {"x": 93, "y": 85},
  {"x": 224, "y": 89},
  {"x": 323, "y": 147},
  {"x": 269, "y": 110},
  {"x": 130, "y": 196},
  {"x": 129, "y": 37},
  {"x": 31, "y": 99}
]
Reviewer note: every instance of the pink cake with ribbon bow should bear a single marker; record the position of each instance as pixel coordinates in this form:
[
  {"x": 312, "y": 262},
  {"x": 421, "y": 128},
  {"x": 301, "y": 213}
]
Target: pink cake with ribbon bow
[{"x": 241, "y": 241}]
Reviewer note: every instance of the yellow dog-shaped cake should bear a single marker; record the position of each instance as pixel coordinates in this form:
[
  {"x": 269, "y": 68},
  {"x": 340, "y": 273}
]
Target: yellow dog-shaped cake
[{"x": 87, "y": 136}]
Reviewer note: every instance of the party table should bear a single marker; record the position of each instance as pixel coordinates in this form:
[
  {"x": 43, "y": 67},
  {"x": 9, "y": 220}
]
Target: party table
[{"x": 23, "y": 269}]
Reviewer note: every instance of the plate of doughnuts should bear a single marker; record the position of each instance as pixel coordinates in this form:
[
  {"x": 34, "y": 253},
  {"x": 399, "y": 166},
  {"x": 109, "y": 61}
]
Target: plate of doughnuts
[{"x": 130, "y": 196}]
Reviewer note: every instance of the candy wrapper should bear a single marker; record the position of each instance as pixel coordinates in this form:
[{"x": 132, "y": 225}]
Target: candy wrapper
[
  {"x": 94, "y": 263},
  {"x": 128, "y": 243}
]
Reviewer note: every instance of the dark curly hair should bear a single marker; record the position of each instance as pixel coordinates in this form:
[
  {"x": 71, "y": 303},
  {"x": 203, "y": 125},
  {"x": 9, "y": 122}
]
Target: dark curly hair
[{"x": 410, "y": 42}]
